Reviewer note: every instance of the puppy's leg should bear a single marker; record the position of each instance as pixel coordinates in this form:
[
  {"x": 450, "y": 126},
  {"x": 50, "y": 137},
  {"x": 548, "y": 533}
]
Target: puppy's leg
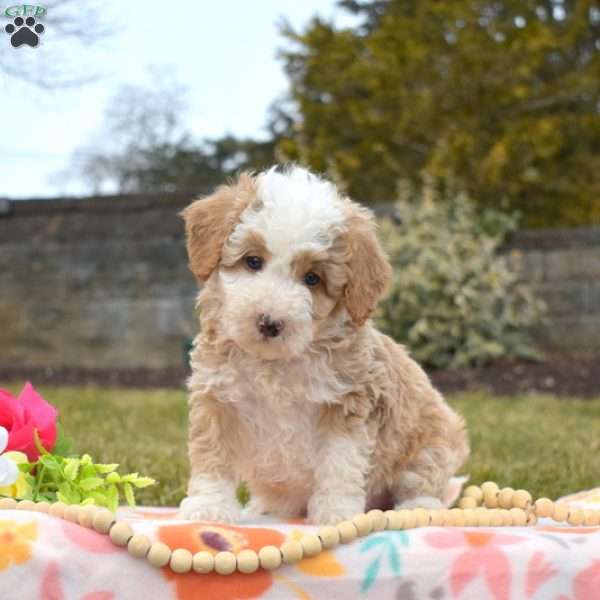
[
  {"x": 211, "y": 489},
  {"x": 341, "y": 473},
  {"x": 423, "y": 481}
]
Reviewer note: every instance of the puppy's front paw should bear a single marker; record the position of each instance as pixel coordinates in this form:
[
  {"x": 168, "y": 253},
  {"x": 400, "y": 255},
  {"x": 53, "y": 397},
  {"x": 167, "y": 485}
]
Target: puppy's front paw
[
  {"x": 330, "y": 510},
  {"x": 201, "y": 508},
  {"x": 428, "y": 502}
]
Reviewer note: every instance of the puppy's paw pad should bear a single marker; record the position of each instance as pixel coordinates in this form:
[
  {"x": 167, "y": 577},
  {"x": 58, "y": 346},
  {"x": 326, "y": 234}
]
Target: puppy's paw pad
[
  {"x": 196, "y": 508},
  {"x": 428, "y": 502}
]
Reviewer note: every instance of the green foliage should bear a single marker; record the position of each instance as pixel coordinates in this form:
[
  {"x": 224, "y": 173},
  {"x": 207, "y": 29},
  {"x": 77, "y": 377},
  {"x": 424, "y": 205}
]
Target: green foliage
[
  {"x": 454, "y": 300},
  {"x": 78, "y": 480},
  {"x": 500, "y": 96}
]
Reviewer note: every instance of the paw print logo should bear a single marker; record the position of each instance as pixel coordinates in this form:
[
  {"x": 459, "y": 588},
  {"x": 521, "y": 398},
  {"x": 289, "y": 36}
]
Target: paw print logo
[{"x": 24, "y": 32}]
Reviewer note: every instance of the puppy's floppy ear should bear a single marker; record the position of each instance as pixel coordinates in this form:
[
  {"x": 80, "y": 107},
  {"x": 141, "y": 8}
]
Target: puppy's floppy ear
[
  {"x": 209, "y": 222},
  {"x": 370, "y": 273}
]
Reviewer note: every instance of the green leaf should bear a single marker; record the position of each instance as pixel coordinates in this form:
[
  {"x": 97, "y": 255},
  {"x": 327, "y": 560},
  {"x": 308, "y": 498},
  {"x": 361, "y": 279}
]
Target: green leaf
[
  {"x": 50, "y": 462},
  {"x": 99, "y": 498},
  {"x": 113, "y": 478},
  {"x": 63, "y": 444},
  {"x": 112, "y": 497},
  {"x": 91, "y": 484},
  {"x": 129, "y": 495},
  {"x": 108, "y": 468},
  {"x": 88, "y": 470},
  {"x": 71, "y": 468},
  {"x": 142, "y": 482}
]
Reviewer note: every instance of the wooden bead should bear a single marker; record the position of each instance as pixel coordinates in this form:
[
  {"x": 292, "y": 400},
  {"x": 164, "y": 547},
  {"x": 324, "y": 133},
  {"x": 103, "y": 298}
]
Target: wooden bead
[
  {"x": 159, "y": 554},
  {"x": 25, "y": 505},
  {"x": 496, "y": 519},
  {"x": 181, "y": 560},
  {"x": 378, "y": 519},
  {"x": 270, "y": 557},
  {"x": 521, "y": 499},
  {"x": 483, "y": 517},
  {"x": 544, "y": 507},
  {"x": 347, "y": 531},
  {"x": 291, "y": 551},
  {"x": 311, "y": 544},
  {"x": 471, "y": 518},
  {"x": 446, "y": 516},
  {"x": 489, "y": 487},
  {"x": 409, "y": 519},
  {"x": 531, "y": 518},
  {"x": 85, "y": 516},
  {"x": 120, "y": 533},
  {"x": 8, "y": 504},
  {"x": 421, "y": 517},
  {"x": 363, "y": 524},
  {"x": 560, "y": 512},
  {"x": 505, "y": 497},
  {"x": 457, "y": 517},
  {"x": 575, "y": 516},
  {"x": 57, "y": 509},
  {"x": 42, "y": 507},
  {"x": 467, "y": 502},
  {"x": 103, "y": 520},
  {"x": 139, "y": 545},
  {"x": 330, "y": 536},
  {"x": 72, "y": 513},
  {"x": 474, "y": 491},
  {"x": 490, "y": 498},
  {"x": 507, "y": 520},
  {"x": 591, "y": 518},
  {"x": 203, "y": 562},
  {"x": 395, "y": 519},
  {"x": 436, "y": 518},
  {"x": 247, "y": 561},
  {"x": 518, "y": 517}
]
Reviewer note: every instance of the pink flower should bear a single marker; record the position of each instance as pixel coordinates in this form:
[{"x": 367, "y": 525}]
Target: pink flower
[
  {"x": 21, "y": 416},
  {"x": 482, "y": 555}
]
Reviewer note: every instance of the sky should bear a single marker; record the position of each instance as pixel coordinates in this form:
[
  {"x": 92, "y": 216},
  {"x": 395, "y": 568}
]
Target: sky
[{"x": 223, "y": 52}]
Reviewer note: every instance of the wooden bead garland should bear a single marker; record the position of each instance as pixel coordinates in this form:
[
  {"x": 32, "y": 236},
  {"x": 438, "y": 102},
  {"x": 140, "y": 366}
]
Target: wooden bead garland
[
  {"x": 247, "y": 561},
  {"x": 480, "y": 506},
  {"x": 270, "y": 557},
  {"x": 181, "y": 559},
  {"x": 203, "y": 562}
]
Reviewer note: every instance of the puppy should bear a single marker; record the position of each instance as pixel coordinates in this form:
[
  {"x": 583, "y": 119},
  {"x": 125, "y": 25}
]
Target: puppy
[{"x": 293, "y": 390}]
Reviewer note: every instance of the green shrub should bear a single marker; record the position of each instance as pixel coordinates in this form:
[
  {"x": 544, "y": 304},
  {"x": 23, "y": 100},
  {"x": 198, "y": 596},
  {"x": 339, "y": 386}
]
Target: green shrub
[{"x": 455, "y": 301}]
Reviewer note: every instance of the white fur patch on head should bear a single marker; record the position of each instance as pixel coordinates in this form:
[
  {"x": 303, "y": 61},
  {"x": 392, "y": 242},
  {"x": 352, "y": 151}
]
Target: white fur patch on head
[{"x": 296, "y": 210}]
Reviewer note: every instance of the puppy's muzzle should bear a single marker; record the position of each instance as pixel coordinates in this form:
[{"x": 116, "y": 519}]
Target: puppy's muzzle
[{"x": 268, "y": 327}]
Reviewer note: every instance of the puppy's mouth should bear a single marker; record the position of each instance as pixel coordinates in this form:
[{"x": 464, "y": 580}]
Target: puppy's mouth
[
  {"x": 267, "y": 348},
  {"x": 270, "y": 338}
]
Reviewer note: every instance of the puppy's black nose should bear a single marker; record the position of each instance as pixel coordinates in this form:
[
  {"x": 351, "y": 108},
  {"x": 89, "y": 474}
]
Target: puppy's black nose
[{"x": 269, "y": 327}]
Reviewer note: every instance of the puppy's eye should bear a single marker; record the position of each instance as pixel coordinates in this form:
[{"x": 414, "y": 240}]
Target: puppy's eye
[
  {"x": 311, "y": 279},
  {"x": 255, "y": 263}
]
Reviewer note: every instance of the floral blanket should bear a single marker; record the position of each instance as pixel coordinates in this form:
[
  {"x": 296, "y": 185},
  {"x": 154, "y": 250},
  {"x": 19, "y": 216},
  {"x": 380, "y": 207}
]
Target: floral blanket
[{"x": 45, "y": 558}]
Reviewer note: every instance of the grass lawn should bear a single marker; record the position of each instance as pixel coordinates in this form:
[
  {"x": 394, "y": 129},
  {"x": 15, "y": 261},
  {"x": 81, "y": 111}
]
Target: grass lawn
[{"x": 547, "y": 445}]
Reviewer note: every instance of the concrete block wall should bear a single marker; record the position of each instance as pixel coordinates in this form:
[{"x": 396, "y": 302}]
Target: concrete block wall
[
  {"x": 564, "y": 268},
  {"x": 98, "y": 283},
  {"x": 104, "y": 283}
]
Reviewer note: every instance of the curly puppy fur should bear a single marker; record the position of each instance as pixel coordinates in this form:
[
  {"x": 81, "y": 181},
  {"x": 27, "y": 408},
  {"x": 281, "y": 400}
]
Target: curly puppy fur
[{"x": 322, "y": 415}]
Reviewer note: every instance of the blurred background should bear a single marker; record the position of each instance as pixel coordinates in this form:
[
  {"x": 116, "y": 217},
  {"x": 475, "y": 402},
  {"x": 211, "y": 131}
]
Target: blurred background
[{"x": 472, "y": 128}]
